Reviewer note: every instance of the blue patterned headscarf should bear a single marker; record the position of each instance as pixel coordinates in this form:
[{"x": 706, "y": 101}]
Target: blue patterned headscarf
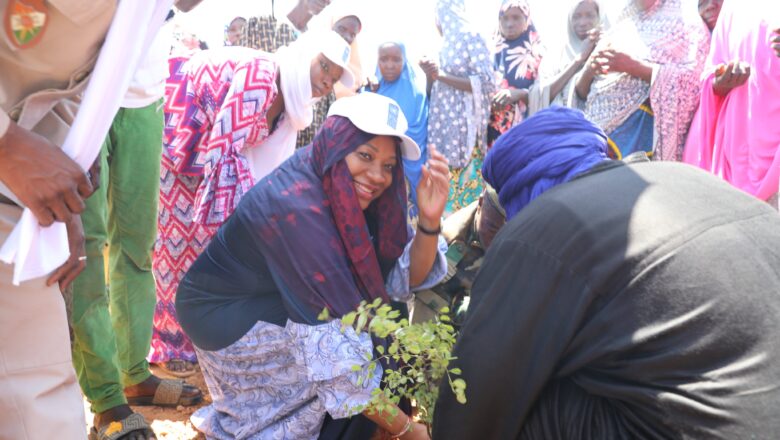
[
  {"x": 410, "y": 93},
  {"x": 547, "y": 149}
]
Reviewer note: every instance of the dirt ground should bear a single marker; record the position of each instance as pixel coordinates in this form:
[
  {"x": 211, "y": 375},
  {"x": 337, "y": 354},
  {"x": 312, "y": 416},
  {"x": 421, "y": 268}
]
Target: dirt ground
[{"x": 169, "y": 423}]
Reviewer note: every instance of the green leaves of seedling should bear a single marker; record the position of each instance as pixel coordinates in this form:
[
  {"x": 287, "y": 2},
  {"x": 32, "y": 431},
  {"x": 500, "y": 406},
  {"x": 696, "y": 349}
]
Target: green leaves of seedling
[{"x": 422, "y": 353}]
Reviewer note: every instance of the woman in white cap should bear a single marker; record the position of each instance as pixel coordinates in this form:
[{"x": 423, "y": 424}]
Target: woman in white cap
[
  {"x": 345, "y": 20},
  {"x": 232, "y": 115},
  {"x": 327, "y": 229}
]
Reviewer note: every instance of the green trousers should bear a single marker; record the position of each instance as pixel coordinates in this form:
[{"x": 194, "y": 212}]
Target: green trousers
[{"x": 112, "y": 327}]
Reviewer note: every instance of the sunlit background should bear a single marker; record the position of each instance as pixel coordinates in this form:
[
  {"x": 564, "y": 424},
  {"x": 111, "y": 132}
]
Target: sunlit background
[{"x": 411, "y": 21}]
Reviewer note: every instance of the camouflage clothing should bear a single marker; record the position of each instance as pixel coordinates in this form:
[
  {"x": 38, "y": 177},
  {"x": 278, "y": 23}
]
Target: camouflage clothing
[{"x": 464, "y": 258}]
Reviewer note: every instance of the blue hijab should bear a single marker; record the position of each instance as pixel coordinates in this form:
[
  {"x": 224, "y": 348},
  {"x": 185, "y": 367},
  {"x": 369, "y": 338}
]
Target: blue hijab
[
  {"x": 409, "y": 91},
  {"x": 547, "y": 149}
]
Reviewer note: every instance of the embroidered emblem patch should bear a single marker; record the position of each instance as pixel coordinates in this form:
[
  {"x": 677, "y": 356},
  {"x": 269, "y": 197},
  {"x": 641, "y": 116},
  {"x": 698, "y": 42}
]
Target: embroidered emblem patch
[
  {"x": 392, "y": 115},
  {"x": 345, "y": 55},
  {"x": 25, "y": 21}
]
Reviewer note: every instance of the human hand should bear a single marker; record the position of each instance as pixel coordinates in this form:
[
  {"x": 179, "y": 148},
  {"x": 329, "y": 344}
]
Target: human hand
[
  {"x": 44, "y": 178},
  {"x": 509, "y": 96},
  {"x": 433, "y": 189},
  {"x": 418, "y": 432},
  {"x": 93, "y": 174},
  {"x": 372, "y": 83},
  {"x": 776, "y": 42},
  {"x": 594, "y": 35},
  {"x": 729, "y": 76},
  {"x": 77, "y": 261},
  {"x": 611, "y": 60},
  {"x": 431, "y": 68}
]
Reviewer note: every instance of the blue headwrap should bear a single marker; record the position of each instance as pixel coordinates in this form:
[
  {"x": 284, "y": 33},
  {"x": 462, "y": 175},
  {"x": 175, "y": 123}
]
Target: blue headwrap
[
  {"x": 409, "y": 92},
  {"x": 547, "y": 149}
]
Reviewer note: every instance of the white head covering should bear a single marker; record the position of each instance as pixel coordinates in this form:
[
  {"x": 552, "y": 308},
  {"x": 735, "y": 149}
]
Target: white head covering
[
  {"x": 295, "y": 81},
  {"x": 551, "y": 66}
]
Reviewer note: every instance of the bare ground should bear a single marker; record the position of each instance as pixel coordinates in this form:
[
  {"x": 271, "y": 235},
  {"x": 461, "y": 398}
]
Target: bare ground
[{"x": 169, "y": 423}]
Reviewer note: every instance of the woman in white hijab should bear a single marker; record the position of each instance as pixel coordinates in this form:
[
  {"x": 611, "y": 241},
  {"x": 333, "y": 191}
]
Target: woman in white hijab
[
  {"x": 231, "y": 116},
  {"x": 345, "y": 20},
  {"x": 586, "y": 21}
]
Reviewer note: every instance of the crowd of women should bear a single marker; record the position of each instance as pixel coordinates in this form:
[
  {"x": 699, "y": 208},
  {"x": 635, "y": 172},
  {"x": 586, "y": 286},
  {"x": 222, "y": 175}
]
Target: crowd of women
[{"x": 255, "y": 236}]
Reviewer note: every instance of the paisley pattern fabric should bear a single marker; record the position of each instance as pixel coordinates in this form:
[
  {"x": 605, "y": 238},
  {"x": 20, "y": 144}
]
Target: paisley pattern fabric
[{"x": 279, "y": 382}]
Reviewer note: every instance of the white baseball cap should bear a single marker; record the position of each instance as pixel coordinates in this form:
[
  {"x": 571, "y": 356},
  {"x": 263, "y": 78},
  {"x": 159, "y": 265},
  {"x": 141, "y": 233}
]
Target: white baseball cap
[
  {"x": 377, "y": 114},
  {"x": 337, "y": 50}
]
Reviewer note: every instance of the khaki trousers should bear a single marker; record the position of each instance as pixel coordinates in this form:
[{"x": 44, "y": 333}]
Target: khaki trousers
[{"x": 39, "y": 394}]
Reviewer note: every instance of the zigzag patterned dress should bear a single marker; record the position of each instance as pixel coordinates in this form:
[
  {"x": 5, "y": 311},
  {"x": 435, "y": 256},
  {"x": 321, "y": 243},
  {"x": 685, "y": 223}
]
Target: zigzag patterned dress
[{"x": 215, "y": 107}]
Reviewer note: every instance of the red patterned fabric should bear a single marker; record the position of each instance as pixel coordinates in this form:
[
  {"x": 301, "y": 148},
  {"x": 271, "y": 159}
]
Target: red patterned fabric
[
  {"x": 216, "y": 111},
  {"x": 215, "y": 108}
]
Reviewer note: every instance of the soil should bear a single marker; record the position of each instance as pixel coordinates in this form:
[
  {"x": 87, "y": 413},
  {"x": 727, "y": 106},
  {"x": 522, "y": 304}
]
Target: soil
[{"x": 169, "y": 423}]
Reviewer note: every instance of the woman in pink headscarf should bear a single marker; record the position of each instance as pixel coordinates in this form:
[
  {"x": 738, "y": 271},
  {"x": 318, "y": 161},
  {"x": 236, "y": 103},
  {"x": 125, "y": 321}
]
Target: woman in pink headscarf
[{"x": 735, "y": 133}]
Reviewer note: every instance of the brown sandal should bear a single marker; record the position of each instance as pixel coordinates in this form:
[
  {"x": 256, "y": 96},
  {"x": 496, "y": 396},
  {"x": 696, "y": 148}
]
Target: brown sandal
[
  {"x": 119, "y": 429},
  {"x": 168, "y": 393}
]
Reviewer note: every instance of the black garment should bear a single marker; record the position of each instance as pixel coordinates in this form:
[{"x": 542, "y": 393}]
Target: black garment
[
  {"x": 637, "y": 301},
  {"x": 227, "y": 290},
  {"x": 230, "y": 287}
]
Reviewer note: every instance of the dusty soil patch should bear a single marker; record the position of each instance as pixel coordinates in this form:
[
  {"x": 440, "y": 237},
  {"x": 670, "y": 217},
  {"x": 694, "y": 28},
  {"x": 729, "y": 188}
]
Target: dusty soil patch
[{"x": 169, "y": 423}]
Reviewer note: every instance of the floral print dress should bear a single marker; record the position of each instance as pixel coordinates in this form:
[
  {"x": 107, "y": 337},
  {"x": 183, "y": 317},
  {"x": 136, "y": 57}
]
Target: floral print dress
[{"x": 517, "y": 61}]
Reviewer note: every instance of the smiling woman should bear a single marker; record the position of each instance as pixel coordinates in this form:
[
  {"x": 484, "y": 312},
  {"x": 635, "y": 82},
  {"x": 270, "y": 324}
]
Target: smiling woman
[
  {"x": 371, "y": 166},
  {"x": 217, "y": 146},
  {"x": 326, "y": 230}
]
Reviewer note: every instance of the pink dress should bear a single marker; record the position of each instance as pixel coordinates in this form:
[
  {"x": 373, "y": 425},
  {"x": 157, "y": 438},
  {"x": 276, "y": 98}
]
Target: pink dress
[
  {"x": 737, "y": 137},
  {"x": 215, "y": 108}
]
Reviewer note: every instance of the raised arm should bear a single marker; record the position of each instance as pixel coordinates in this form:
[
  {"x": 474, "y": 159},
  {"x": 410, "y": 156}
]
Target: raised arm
[
  {"x": 434, "y": 73},
  {"x": 560, "y": 81},
  {"x": 432, "y": 192}
]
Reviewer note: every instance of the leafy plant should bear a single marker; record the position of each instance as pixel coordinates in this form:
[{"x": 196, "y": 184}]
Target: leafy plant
[{"x": 422, "y": 352}]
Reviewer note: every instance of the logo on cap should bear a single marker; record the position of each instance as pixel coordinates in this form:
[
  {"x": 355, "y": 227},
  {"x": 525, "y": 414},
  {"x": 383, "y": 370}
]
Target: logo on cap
[
  {"x": 345, "y": 56},
  {"x": 392, "y": 115}
]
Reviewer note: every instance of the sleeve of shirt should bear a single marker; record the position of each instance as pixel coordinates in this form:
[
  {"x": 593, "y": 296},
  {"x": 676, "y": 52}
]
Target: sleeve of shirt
[
  {"x": 397, "y": 284},
  {"x": 328, "y": 355}
]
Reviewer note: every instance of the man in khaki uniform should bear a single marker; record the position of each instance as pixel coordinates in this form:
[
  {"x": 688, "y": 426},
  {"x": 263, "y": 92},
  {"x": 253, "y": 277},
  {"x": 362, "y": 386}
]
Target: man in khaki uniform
[{"x": 47, "y": 50}]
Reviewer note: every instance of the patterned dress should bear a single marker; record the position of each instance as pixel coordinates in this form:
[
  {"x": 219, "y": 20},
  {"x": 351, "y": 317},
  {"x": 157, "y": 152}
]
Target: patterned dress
[
  {"x": 202, "y": 175},
  {"x": 675, "y": 41},
  {"x": 517, "y": 61},
  {"x": 457, "y": 120},
  {"x": 279, "y": 382}
]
